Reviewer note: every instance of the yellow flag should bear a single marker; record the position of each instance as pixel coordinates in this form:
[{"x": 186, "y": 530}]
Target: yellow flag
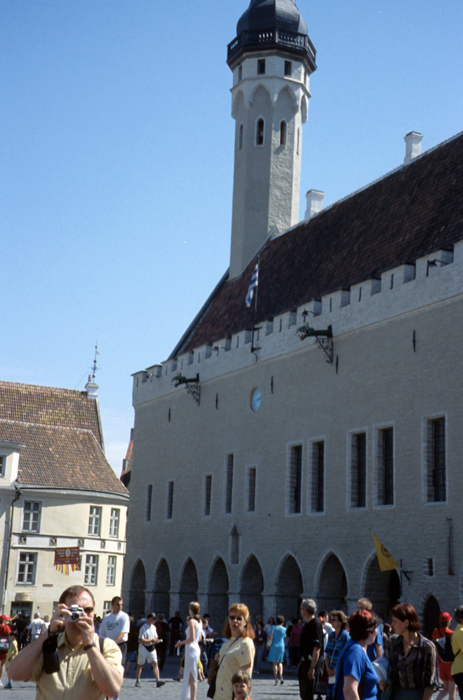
[{"x": 385, "y": 560}]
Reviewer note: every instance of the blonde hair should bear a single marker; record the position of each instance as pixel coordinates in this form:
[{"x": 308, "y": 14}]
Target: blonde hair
[
  {"x": 242, "y": 610},
  {"x": 195, "y": 608},
  {"x": 365, "y": 604}
]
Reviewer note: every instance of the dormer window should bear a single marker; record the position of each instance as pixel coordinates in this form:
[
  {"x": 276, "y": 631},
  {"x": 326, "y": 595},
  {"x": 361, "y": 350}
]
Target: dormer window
[
  {"x": 261, "y": 66},
  {"x": 260, "y": 132}
]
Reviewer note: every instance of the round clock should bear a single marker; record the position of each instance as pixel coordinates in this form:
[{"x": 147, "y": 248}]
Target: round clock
[{"x": 256, "y": 399}]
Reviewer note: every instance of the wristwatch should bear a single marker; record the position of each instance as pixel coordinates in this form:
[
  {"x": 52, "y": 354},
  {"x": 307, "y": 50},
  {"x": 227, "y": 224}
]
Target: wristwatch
[{"x": 89, "y": 646}]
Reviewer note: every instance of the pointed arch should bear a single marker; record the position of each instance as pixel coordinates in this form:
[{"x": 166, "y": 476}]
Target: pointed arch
[
  {"x": 188, "y": 589},
  {"x": 289, "y": 586},
  {"x": 259, "y": 93},
  {"x": 381, "y": 587},
  {"x": 252, "y": 585},
  {"x": 429, "y": 613},
  {"x": 331, "y": 584},
  {"x": 137, "y": 588},
  {"x": 161, "y": 588},
  {"x": 287, "y": 92},
  {"x": 236, "y": 104},
  {"x": 217, "y": 592}
]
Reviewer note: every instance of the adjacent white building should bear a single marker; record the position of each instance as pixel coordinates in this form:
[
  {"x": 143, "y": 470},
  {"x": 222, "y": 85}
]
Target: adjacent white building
[
  {"x": 275, "y": 439},
  {"x": 57, "y": 492}
]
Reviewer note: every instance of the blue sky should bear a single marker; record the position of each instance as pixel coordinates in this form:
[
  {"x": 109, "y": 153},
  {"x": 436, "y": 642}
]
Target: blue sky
[{"x": 117, "y": 161}]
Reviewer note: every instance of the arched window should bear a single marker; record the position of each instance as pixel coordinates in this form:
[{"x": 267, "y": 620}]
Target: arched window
[
  {"x": 283, "y": 133},
  {"x": 240, "y": 138},
  {"x": 260, "y": 132}
]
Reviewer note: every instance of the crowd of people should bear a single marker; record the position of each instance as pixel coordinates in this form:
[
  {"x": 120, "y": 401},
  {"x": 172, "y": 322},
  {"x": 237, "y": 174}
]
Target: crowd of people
[{"x": 355, "y": 658}]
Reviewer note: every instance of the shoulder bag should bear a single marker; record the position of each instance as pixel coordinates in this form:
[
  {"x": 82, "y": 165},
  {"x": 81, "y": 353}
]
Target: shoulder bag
[{"x": 212, "y": 680}]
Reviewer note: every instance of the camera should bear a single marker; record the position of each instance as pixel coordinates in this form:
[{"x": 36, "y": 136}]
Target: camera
[{"x": 76, "y": 612}]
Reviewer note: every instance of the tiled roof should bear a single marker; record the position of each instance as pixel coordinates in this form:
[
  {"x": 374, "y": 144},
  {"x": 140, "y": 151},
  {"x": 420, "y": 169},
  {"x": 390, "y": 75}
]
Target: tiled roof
[
  {"x": 60, "y": 457},
  {"x": 49, "y": 406},
  {"x": 415, "y": 210},
  {"x": 61, "y": 433}
]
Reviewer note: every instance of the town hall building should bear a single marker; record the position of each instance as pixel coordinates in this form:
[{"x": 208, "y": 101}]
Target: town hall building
[{"x": 279, "y": 435}]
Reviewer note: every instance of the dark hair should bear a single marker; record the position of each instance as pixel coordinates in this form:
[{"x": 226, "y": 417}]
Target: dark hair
[
  {"x": 75, "y": 592},
  {"x": 458, "y": 614},
  {"x": 361, "y": 624},
  {"x": 241, "y": 677},
  {"x": 280, "y": 620},
  {"x": 342, "y": 617},
  {"x": 404, "y": 612},
  {"x": 116, "y": 599}
]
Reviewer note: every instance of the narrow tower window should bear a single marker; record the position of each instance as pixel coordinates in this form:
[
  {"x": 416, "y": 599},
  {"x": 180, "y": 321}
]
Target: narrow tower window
[
  {"x": 288, "y": 68},
  {"x": 240, "y": 73},
  {"x": 260, "y": 132},
  {"x": 261, "y": 66},
  {"x": 298, "y": 140},
  {"x": 240, "y": 137},
  {"x": 283, "y": 133}
]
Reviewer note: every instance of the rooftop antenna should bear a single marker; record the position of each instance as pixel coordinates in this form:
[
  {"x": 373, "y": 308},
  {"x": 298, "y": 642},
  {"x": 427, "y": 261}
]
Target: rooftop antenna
[{"x": 95, "y": 362}]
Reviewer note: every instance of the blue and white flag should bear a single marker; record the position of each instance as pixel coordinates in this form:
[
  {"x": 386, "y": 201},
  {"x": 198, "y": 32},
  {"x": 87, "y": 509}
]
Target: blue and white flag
[{"x": 253, "y": 285}]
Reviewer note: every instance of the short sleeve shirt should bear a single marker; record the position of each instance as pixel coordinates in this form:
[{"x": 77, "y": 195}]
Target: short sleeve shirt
[
  {"x": 74, "y": 680},
  {"x": 233, "y": 656},
  {"x": 113, "y": 624},
  {"x": 354, "y": 662}
]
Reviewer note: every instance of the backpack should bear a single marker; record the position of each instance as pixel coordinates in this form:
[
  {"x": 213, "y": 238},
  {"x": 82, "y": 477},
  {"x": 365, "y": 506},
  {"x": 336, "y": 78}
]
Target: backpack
[
  {"x": 444, "y": 649},
  {"x": 4, "y": 645}
]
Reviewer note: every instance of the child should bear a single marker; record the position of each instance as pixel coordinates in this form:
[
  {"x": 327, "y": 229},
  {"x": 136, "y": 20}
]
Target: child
[
  {"x": 12, "y": 652},
  {"x": 241, "y": 683}
]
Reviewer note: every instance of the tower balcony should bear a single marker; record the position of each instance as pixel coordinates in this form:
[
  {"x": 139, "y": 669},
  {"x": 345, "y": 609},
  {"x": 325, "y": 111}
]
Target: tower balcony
[{"x": 273, "y": 38}]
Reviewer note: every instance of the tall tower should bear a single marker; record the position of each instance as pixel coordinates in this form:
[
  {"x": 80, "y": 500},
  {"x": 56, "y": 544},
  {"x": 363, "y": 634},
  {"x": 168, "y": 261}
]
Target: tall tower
[{"x": 271, "y": 59}]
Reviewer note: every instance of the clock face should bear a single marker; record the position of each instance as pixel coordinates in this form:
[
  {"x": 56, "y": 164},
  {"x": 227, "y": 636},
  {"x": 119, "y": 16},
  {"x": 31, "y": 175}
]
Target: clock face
[{"x": 256, "y": 398}]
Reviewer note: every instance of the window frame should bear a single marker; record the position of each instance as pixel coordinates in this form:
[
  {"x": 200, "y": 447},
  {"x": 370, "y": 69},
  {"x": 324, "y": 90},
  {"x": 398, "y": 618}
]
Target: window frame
[
  {"x": 380, "y": 465},
  {"x": 3, "y": 465},
  {"x": 251, "y": 489},
  {"x": 94, "y": 521},
  {"x": 353, "y": 436},
  {"x": 114, "y": 522},
  {"x": 429, "y": 461},
  {"x": 314, "y": 475},
  {"x": 111, "y": 570},
  {"x": 31, "y": 513},
  {"x": 294, "y": 481},
  {"x": 207, "y": 495},
  {"x": 91, "y": 569},
  {"x": 260, "y": 133},
  {"x": 228, "y": 483},
  {"x": 26, "y": 564},
  {"x": 170, "y": 499}
]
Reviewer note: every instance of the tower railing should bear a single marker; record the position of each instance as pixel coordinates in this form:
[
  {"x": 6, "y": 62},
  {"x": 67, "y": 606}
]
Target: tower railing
[{"x": 273, "y": 37}]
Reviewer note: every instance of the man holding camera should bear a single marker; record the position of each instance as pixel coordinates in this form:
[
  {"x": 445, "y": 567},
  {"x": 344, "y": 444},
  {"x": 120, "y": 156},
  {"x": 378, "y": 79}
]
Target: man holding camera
[{"x": 71, "y": 663}]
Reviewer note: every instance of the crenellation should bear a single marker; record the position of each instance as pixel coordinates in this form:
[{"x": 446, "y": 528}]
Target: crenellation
[{"x": 400, "y": 290}]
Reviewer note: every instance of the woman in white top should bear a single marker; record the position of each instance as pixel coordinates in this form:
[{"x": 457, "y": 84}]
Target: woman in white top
[{"x": 191, "y": 643}]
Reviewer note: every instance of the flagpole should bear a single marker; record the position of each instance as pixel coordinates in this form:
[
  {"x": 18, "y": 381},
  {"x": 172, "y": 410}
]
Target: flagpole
[{"x": 255, "y": 309}]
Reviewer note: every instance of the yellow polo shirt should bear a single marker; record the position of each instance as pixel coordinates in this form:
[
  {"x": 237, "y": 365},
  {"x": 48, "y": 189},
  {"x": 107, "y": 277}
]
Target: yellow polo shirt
[
  {"x": 74, "y": 680},
  {"x": 457, "y": 645}
]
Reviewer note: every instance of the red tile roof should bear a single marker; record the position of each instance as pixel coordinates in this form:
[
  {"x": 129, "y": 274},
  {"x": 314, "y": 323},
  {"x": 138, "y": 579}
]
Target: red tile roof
[
  {"x": 61, "y": 433},
  {"x": 411, "y": 212}
]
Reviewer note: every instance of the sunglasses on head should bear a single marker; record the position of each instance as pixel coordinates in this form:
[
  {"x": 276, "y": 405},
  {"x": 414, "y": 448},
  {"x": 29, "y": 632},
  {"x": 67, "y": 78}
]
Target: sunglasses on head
[{"x": 236, "y": 618}]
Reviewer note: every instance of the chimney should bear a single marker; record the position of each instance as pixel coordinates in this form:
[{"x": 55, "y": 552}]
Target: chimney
[
  {"x": 314, "y": 204},
  {"x": 412, "y": 146}
]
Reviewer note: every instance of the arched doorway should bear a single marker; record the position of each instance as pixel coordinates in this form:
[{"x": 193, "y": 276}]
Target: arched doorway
[
  {"x": 382, "y": 588},
  {"x": 217, "y": 595},
  {"x": 430, "y": 617},
  {"x": 252, "y": 586},
  {"x": 289, "y": 588},
  {"x": 137, "y": 589},
  {"x": 332, "y": 585},
  {"x": 188, "y": 587},
  {"x": 161, "y": 591}
]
